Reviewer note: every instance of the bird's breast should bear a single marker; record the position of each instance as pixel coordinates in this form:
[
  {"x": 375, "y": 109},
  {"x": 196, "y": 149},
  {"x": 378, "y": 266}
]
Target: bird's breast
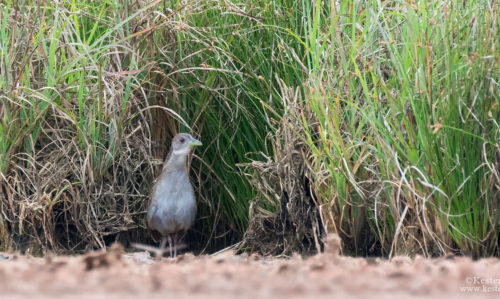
[{"x": 173, "y": 205}]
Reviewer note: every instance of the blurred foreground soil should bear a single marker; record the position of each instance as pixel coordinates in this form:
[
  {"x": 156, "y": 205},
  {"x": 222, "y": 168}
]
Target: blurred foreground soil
[{"x": 115, "y": 274}]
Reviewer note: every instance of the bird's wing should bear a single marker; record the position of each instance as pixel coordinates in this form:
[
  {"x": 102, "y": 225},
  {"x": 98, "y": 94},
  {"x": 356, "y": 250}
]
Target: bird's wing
[
  {"x": 155, "y": 185},
  {"x": 151, "y": 194}
]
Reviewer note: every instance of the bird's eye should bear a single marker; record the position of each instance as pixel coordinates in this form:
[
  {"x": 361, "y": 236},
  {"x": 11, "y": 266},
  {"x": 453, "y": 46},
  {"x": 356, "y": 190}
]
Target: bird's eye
[{"x": 182, "y": 140}]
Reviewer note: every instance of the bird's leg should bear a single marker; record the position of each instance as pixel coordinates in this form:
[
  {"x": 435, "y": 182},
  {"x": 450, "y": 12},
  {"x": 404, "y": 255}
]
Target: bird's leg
[
  {"x": 170, "y": 245},
  {"x": 175, "y": 245},
  {"x": 163, "y": 243}
]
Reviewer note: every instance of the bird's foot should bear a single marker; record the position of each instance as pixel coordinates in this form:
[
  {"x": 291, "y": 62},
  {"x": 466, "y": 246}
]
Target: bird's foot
[{"x": 157, "y": 251}]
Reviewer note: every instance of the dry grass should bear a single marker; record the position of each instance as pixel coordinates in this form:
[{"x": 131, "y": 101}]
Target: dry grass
[
  {"x": 285, "y": 216},
  {"x": 80, "y": 131},
  {"x": 90, "y": 101},
  {"x": 377, "y": 120}
]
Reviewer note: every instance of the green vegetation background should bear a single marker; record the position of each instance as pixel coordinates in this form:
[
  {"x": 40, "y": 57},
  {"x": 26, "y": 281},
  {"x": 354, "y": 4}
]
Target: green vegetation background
[{"x": 396, "y": 102}]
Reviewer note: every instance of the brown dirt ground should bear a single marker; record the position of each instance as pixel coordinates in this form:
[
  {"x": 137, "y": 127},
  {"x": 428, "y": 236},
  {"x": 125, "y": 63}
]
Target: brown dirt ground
[{"x": 115, "y": 274}]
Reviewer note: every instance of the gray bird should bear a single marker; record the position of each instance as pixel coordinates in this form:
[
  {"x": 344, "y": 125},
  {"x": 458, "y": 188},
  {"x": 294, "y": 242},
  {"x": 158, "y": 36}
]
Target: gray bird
[{"x": 172, "y": 206}]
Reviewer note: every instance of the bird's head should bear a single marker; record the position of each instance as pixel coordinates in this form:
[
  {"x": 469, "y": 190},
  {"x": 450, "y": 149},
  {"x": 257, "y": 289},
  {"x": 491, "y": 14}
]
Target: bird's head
[{"x": 183, "y": 143}]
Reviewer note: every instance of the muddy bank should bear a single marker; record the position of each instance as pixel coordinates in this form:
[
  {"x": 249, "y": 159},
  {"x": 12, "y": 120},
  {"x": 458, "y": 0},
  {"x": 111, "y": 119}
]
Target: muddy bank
[{"x": 116, "y": 274}]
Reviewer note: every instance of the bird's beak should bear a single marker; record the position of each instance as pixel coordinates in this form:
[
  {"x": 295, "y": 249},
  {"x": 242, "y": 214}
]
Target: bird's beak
[{"x": 194, "y": 142}]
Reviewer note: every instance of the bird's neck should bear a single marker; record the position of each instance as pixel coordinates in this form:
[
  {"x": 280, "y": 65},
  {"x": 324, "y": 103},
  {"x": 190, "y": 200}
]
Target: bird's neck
[{"x": 175, "y": 162}]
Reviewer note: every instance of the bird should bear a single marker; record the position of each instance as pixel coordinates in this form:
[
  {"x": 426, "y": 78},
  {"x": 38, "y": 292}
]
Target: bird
[{"x": 172, "y": 205}]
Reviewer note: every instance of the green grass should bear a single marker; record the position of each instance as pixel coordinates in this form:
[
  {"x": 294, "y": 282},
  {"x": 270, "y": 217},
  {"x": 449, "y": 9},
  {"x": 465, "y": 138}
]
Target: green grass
[
  {"x": 226, "y": 66},
  {"x": 407, "y": 101},
  {"x": 67, "y": 108},
  {"x": 399, "y": 111}
]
